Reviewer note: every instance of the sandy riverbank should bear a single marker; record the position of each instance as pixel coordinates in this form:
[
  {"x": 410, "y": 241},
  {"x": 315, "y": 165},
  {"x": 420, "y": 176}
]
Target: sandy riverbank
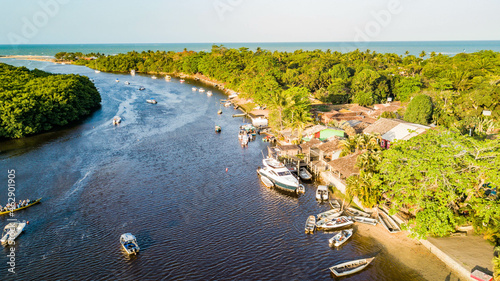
[{"x": 35, "y": 58}]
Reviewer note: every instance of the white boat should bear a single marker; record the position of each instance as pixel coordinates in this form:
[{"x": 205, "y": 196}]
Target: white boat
[
  {"x": 350, "y": 267},
  {"x": 167, "y": 77},
  {"x": 322, "y": 192},
  {"x": 335, "y": 204},
  {"x": 272, "y": 163},
  {"x": 365, "y": 220},
  {"x": 304, "y": 174},
  {"x": 117, "y": 120},
  {"x": 209, "y": 93},
  {"x": 201, "y": 90},
  {"x": 97, "y": 71},
  {"x": 227, "y": 104},
  {"x": 117, "y": 80},
  {"x": 232, "y": 96},
  {"x": 335, "y": 223},
  {"x": 267, "y": 182},
  {"x": 194, "y": 89},
  {"x": 154, "y": 77},
  {"x": 358, "y": 213},
  {"x": 310, "y": 224},
  {"x": 182, "y": 80},
  {"x": 12, "y": 231},
  {"x": 280, "y": 176},
  {"x": 330, "y": 214},
  {"x": 388, "y": 222},
  {"x": 341, "y": 237},
  {"x": 127, "y": 83},
  {"x": 142, "y": 88},
  {"x": 132, "y": 72},
  {"x": 151, "y": 101},
  {"x": 129, "y": 243}
]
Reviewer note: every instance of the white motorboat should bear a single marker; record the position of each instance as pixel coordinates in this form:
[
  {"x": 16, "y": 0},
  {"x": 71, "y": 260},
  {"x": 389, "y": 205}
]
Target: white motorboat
[
  {"x": 129, "y": 243},
  {"x": 132, "y": 72},
  {"x": 310, "y": 224},
  {"x": 153, "y": 101},
  {"x": 272, "y": 163},
  {"x": 154, "y": 77},
  {"x": 11, "y": 231},
  {"x": 127, "y": 83},
  {"x": 182, "y": 80},
  {"x": 209, "y": 93},
  {"x": 232, "y": 96},
  {"x": 194, "y": 89},
  {"x": 279, "y": 175},
  {"x": 201, "y": 90},
  {"x": 330, "y": 214},
  {"x": 350, "y": 267},
  {"x": 335, "y": 223},
  {"x": 304, "y": 174},
  {"x": 142, "y": 88},
  {"x": 341, "y": 237},
  {"x": 227, "y": 104},
  {"x": 267, "y": 182},
  {"x": 167, "y": 77},
  {"x": 117, "y": 120},
  {"x": 117, "y": 80},
  {"x": 97, "y": 71},
  {"x": 322, "y": 192}
]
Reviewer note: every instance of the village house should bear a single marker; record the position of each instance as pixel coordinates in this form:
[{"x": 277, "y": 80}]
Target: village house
[{"x": 394, "y": 129}]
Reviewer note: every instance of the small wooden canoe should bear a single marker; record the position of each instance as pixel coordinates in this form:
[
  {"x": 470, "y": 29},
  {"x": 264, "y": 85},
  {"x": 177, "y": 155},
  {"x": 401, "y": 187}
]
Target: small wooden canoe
[
  {"x": 388, "y": 222},
  {"x": 267, "y": 182},
  {"x": 350, "y": 267},
  {"x": 29, "y": 205},
  {"x": 357, "y": 213},
  {"x": 304, "y": 174},
  {"x": 341, "y": 237},
  {"x": 335, "y": 223},
  {"x": 310, "y": 224},
  {"x": 330, "y": 214},
  {"x": 365, "y": 220}
]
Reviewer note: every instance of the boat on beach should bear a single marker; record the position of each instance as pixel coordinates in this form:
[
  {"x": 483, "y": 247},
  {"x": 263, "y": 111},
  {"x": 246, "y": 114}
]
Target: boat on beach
[
  {"x": 388, "y": 222},
  {"x": 322, "y": 192},
  {"x": 117, "y": 120},
  {"x": 11, "y": 231},
  {"x": 358, "y": 213},
  {"x": 330, "y": 214},
  {"x": 310, "y": 224},
  {"x": 24, "y": 207},
  {"x": 341, "y": 237},
  {"x": 129, "y": 243},
  {"x": 365, "y": 220},
  {"x": 304, "y": 174},
  {"x": 327, "y": 224},
  {"x": 350, "y": 267},
  {"x": 153, "y": 101}
]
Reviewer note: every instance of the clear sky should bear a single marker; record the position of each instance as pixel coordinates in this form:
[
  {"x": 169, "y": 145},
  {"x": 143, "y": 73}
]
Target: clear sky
[{"x": 218, "y": 21}]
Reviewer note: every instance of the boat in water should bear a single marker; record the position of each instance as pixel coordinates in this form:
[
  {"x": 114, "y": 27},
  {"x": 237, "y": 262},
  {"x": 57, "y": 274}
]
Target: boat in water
[
  {"x": 167, "y": 77},
  {"x": 22, "y": 207},
  {"x": 279, "y": 175},
  {"x": 129, "y": 243},
  {"x": 304, "y": 174},
  {"x": 267, "y": 182},
  {"x": 218, "y": 129},
  {"x": 328, "y": 224},
  {"x": 182, "y": 80},
  {"x": 154, "y": 77},
  {"x": 142, "y": 88},
  {"x": 127, "y": 83},
  {"x": 350, "y": 267},
  {"x": 341, "y": 237},
  {"x": 301, "y": 189},
  {"x": 97, "y": 71},
  {"x": 117, "y": 120},
  {"x": 117, "y": 80},
  {"x": 11, "y": 231},
  {"x": 209, "y": 93},
  {"x": 194, "y": 89},
  {"x": 310, "y": 224},
  {"x": 201, "y": 90},
  {"x": 132, "y": 72},
  {"x": 330, "y": 214},
  {"x": 153, "y": 101},
  {"x": 322, "y": 192}
]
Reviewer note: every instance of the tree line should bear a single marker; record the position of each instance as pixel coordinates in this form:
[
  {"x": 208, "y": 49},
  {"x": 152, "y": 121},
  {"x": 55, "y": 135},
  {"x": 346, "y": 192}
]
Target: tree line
[{"x": 34, "y": 101}]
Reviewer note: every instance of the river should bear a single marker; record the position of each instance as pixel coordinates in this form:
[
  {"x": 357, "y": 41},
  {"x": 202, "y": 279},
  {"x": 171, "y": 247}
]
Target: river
[{"x": 161, "y": 175}]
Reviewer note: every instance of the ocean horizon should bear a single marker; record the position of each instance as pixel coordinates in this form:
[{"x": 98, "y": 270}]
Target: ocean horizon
[{"x": 397, "y": 47}]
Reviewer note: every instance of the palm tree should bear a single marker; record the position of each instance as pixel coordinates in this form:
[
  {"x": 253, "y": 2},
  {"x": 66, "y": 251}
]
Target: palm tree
[
  {"x": 369, "y": 160},
  {"x": 279, "y": 103},
  {"x": 365, "y": 187}
]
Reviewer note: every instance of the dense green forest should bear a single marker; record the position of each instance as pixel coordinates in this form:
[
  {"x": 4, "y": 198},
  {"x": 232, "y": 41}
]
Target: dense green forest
[
  {"x": 33, "y": 101},
  {"x": 460, "y": 86}
]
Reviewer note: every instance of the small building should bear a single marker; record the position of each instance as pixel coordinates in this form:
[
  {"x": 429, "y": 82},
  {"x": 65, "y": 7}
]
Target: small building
[
  {"x": 259, "y": 117},
  {"x": 344, "y": 167},
  {"x": 329, "y": 132},
  {"x": 287, "y": 150},
  {"x": 330, "y": 150},
  {"x": 394, "y": 129},
  {"x": 309, "y": 132}
]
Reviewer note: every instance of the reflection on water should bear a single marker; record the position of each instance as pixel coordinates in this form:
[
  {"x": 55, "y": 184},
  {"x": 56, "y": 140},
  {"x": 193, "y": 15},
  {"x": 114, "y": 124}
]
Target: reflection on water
[{"x": 161, "y": 175}]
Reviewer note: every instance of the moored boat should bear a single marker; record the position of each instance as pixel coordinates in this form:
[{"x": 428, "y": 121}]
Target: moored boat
[
  {"x": 154, "y": 77},
  {"x": 11, "y": 231},
  {"x": 280, "y": 177},
  {"x": 341, "y": 237},
  {"x": 322, "y": 192},
  {"x": 272, "y": 163},
  {"x": 167, "y": 77},
  {"x": 201, "y": 90},
  {"x": 117, "y": 80},
  {"x": 365, "y": 220},
  {"x": 22, "y": 207},
  {"x": 182, "y": 80},
  {"x": 194, "y": 89},
  {"x": 132, "y": 72},
  {"x": 153, "y": 101},
  {"x": 97, "y": 71},
  {"x": 209, "y": 93},
  {"x": 304, "y": 174},
  {"x": 358, "y": 213},
  {"x": 388, "y": 222},
  {"x": 335, "y": 223},
  {"x": 129, "y": 243},
  {"x": 267, "y": 182},
  {"x": 301, "y": 189},
  {"x": 218, "y": 129},
  {"x": 330, "y": 214},
  {"x": 350, "y": 267},
  {"x": 142, "y": 88},
  {"x": 127, "y": 83},
  {"x": 310, "y": 224}
]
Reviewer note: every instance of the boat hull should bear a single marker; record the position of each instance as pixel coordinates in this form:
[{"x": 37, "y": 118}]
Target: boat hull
[
  {"x": 355, "y": 266},
  {"x": 277, "y": 183}
]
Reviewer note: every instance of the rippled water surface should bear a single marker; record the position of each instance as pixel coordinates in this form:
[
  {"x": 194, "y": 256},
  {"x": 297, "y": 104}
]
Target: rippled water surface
[{"x": 161, "y": 175}]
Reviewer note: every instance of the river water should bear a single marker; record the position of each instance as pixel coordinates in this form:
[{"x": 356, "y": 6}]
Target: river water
[{"x": 161, "y": 175}]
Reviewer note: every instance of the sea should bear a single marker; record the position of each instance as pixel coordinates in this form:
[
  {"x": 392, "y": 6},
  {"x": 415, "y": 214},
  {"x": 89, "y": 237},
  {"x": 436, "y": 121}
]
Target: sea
[{"x": 413, "y": 47}]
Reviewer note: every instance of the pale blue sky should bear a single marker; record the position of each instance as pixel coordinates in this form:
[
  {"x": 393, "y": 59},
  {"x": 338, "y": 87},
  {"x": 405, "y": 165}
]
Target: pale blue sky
[{"x": 216, "y": 21}]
